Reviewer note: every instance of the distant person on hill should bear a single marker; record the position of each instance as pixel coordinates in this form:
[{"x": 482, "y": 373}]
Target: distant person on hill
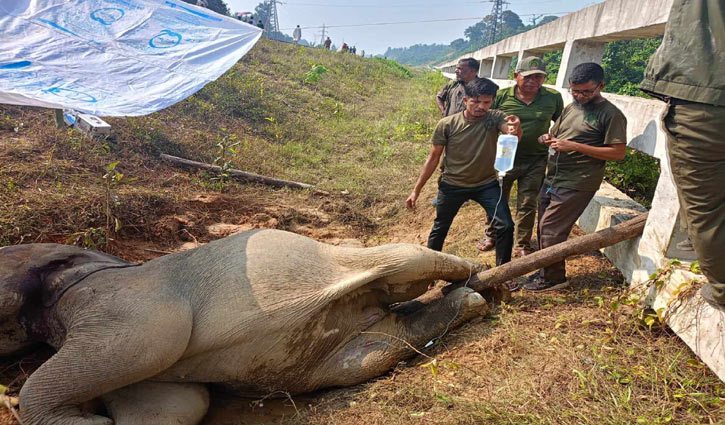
[
  {"x": 362, "y": 53},
  {"x": 353, "y": 50},
  {"x": 589, "y": 132},
  {"x": 328, "y": 43},
  {"x": 469, "y": 138},
  {"x": 344, "y": 48},
  {"x": 450, "y": 98},
  {"x": 688, "y": 72},
  {"x": 297, "y": 34},
  {"x": 536, "y": 106}
]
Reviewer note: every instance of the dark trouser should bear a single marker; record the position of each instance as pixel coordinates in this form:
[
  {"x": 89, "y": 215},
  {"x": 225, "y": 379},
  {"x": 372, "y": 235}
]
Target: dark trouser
[
  {"x": 450, "y": 200},
  {"x": 529, "y": 173},
  {"x": 559, "y": 208},
  {"x": 696, "y": 149}
]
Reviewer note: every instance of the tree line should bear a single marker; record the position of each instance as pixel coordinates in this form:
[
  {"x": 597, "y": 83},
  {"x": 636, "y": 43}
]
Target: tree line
[{"x": 477, "y": 36}]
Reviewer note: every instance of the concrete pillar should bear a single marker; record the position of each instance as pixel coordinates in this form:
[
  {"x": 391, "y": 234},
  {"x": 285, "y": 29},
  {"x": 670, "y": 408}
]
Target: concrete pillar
[
  {"x": 576, "y": 52},
  {"x": 486, "y": 68},
  {"x": 501, "y": 67}
]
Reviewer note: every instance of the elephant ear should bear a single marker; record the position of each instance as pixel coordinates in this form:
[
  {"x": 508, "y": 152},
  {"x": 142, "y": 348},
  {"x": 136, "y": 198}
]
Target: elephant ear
[
  {"x": 47, "y": 271},
  {"x": 34, "y": 276}
]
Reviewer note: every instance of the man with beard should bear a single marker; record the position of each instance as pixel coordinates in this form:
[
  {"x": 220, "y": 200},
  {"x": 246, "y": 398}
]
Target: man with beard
[
  {"x": 589, "y": 132},
  {"x": 536, "y": 106},
  {"x": 469, "y": 138},
  {"x": 450, "y": 98}
]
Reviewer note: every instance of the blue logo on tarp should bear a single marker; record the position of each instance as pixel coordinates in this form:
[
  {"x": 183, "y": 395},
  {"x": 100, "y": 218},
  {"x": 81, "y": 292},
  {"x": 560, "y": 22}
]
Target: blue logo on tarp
[
  {"x": 71, "y": 94},
  {"x": 15, "y": 65},
  {"x": 165, "y": 40},
  {"x": 108, "y": 15}
]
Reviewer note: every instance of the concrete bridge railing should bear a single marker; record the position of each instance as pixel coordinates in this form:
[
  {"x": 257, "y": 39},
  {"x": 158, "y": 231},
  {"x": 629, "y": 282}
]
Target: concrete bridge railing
[{"x": 582, "y": 36}]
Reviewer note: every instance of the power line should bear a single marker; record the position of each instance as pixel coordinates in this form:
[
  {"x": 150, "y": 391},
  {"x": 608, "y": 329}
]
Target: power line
[
  {"x": 416, "y": 5},
  {"x": 411, "y": 22}
]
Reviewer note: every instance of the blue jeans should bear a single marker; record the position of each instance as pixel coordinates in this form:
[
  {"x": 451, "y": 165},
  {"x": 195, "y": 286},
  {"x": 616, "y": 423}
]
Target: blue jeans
[{"x": 450, "y": 199}]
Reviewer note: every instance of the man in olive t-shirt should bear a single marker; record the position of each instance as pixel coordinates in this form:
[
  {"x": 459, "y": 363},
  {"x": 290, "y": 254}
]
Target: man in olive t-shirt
[
  {"x": 469, "y": 139},
  {"x": 589, "y": 132},
  {"x": 536, "y": 106}
]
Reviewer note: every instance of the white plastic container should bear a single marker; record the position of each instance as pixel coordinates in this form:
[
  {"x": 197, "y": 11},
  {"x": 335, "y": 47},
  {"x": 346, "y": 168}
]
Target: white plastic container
[{"x": 505, "y": 153}]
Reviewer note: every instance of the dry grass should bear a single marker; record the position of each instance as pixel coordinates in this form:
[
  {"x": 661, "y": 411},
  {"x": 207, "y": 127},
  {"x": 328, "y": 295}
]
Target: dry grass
[{"x": 566, "y": 358}]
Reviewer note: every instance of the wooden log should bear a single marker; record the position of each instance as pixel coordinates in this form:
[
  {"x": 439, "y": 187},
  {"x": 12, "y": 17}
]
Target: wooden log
[
  {"x": 238, "y": 173},
  {"x": 491, "y": 278}
]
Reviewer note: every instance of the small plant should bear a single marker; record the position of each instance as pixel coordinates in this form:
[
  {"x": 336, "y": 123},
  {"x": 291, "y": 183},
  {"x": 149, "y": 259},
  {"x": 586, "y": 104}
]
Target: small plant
[
  {"x": 315, "y": 74},
  {"x": 226, "y": 151},
  {"x": 7, "y": 123},
  {"x": 91, "y": 238},
  {"x": 112, "y": 180},
  {"x": 275, "y": 127}
]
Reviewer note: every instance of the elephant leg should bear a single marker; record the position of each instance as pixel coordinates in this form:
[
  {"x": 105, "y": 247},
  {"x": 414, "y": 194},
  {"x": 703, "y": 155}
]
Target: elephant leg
[
  {"x": 158, "y": 403},
  {"x": 389, "y": 341},
  {"x": 102, "y": 352}
]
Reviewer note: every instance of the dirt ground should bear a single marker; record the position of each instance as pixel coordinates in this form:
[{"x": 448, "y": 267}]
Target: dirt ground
[
  {"x": 485, "y": 359},
  {"x": 200, "y": 217}
]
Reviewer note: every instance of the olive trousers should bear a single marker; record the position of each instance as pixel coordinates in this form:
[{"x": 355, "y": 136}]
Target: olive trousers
[{"x": 696, "y": 150}]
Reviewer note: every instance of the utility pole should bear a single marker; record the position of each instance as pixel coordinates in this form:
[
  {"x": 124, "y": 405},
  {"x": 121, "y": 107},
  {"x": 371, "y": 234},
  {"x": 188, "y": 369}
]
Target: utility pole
[
  {"x": 322, "y": 40},
  {"x": 272, "y": 24},
  {"x": 497, "y": 13}
]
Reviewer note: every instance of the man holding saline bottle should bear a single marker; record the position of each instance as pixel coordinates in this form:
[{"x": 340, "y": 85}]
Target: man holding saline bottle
[{"x": 469, "y": 139}]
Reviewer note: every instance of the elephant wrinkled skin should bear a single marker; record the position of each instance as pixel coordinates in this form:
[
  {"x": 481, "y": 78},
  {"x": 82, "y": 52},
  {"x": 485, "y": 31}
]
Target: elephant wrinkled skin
[{"x": 257, "y": 312}]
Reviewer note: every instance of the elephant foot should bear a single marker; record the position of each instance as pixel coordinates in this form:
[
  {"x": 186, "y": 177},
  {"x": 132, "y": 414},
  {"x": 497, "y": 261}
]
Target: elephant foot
[
  {"x": 158, "y": 403},
  {"x": 472, "y": 304},
  {"x": 396, "y": 338}
]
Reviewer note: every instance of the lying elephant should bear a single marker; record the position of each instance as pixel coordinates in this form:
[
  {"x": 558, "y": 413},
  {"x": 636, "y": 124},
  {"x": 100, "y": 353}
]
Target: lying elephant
[{"x": 257, "y": 312}]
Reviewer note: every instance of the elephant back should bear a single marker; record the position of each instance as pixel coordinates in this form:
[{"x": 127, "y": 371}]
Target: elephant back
[{"x": 33, "y": 277}]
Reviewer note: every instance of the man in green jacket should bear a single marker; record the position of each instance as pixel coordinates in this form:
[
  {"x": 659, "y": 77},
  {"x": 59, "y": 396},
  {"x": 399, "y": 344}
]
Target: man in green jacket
[
  {"x": 536, "y": 106},
  {"x": 450, "y": 98},
  {"x": 688, "y": 72}
]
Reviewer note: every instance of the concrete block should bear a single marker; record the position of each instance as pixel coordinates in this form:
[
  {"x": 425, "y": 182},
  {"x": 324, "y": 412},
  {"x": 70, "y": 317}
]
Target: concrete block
[
  {"x": 699, "y": 325},
  {"x": 486, "y": 69},
  {"x": 609, "y": 207},
  {"x": 501, "y": 67},
  {"x": 575, "y": 53}
]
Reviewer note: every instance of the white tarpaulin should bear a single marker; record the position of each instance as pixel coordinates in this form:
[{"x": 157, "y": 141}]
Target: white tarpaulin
[{"x": 113, "y": 57}]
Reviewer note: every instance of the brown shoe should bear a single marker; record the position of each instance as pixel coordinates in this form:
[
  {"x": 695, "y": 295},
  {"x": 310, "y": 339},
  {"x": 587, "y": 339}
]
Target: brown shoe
[
  {"x": 486, "y": 244},
  {"x": 522, "y": 252}
]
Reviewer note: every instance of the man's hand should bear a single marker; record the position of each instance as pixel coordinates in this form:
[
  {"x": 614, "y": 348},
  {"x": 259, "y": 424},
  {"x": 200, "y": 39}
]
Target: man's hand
[
  {"x": 513, "y": 125},
  {"x": 410, "y": 202},
  {"x": 561, "y": 145},
  {"x": 545, "y": 139}
]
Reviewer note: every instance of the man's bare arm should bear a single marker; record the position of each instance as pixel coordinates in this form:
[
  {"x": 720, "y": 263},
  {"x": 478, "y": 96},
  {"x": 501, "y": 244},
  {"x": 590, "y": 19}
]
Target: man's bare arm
[
  {"x": 428, "y": 169},
  {"x": 441, "y": 105}
]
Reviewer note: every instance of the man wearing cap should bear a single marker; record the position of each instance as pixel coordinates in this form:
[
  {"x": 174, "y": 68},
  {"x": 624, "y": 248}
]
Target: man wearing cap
[
  {"x": 687, "y": 72},
  {"x": 536, "y": 106},
  {"x": 450, "y": 98}
]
